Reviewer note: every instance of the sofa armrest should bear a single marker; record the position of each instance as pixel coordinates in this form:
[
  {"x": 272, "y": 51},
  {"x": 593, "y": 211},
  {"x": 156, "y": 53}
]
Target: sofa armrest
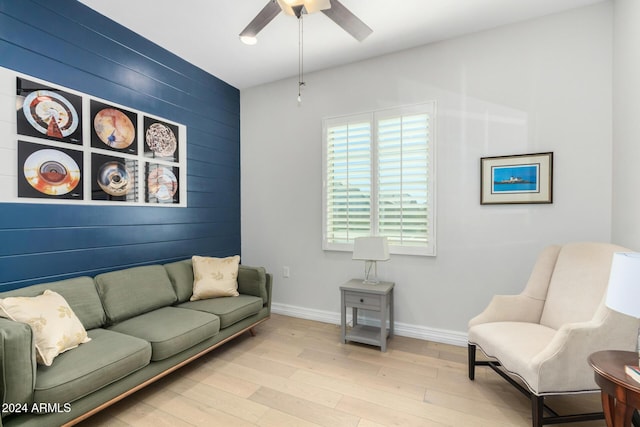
[
  {"x": 17, "y": 364},
  {"x": 510, "y": 308},
  {"x": 559, "y": 364},
  {"x": 255, "y": 281}
]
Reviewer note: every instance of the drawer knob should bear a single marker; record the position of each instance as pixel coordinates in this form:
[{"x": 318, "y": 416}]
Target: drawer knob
[{"x": 361, "y": 299}]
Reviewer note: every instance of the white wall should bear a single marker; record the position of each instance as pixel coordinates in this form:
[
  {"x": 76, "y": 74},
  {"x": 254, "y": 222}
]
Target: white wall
[
  {"x": 626, "y": 123},
  {"x": 542, "y": 85}
]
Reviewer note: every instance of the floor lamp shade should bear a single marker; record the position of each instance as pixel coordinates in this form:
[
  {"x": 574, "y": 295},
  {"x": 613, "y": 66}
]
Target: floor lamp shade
[{"x": 623, "y": 293}]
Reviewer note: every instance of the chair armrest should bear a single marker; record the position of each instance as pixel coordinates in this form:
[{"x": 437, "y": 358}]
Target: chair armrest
[
  {"x": 255, "y": 281},
  {"x": 510, "y": 308},
  {"x": 564, "y": 361},
  {"x": 17, "y": 363}
]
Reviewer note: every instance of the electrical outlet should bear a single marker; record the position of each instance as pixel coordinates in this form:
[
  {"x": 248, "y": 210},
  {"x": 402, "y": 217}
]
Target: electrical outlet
[{"x": 285, "y": 272}]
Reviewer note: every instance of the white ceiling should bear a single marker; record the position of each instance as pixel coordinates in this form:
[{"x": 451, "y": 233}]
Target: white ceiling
[{"x": 205, "y": 32}]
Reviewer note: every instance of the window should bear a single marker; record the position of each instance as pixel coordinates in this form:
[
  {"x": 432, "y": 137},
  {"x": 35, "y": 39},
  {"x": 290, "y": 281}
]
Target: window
[{"x": 378, "y": 179}]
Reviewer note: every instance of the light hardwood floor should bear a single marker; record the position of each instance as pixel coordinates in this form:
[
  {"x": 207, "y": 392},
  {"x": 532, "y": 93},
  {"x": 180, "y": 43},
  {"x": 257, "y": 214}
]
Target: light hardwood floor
[{"x": 296, "y": 372}]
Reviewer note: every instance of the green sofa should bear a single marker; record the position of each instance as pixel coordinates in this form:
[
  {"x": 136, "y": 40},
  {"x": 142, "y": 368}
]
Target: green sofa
[{"x": 142, "y": 327}]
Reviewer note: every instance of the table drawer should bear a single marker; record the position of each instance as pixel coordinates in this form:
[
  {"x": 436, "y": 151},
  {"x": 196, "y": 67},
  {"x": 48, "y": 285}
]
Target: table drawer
[{"x": 364, "y": 301}]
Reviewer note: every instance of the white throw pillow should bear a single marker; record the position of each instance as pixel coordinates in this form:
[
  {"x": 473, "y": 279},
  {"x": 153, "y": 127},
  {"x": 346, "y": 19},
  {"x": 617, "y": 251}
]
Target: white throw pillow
[
  {"x": 55, "y": 326},
  {"x": 215, "y": 277}
]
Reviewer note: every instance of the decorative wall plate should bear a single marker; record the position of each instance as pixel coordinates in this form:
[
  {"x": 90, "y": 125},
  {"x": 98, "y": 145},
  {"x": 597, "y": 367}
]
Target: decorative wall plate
[
  {"x": 114, "y": 178},
  {"x": 50, "y": 113},
  {"x": 51, "y": 172},
  {"x": 114, "y": 128}
]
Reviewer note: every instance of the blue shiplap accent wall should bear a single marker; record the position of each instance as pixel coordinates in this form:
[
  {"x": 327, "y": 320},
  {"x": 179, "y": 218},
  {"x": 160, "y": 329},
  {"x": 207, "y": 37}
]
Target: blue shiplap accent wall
[{"x": 68, "y": 44}]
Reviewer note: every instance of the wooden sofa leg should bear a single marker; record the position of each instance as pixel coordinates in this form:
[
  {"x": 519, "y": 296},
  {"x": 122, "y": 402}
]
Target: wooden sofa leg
[
  {"x": 537, "y": 407},
  {"x": 252, "y": 331},
  {"x": 472, "y": 361}
]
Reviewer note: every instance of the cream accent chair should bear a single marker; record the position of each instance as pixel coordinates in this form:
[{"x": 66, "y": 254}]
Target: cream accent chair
[{"x": 545, "y": 334}]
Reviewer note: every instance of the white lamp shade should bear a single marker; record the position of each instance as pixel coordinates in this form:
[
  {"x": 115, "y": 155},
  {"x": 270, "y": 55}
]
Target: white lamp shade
[
  {"x": 371, "y": 249},
  {"x": 623, "y": 293}
]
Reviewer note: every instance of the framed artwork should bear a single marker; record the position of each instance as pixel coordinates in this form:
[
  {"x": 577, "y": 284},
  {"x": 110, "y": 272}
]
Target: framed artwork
[
  {"x": 114, "y": 178},
  {"x": 113, "y": 128},
  {"x": 70, "y": 147},
  {"x": 523, "y": 178},
  {"x": 161, "y": 140},
  {"x": 47, "y": 112},
  {"x": 162, "y": 184},
  {"x": 47, "y": 172}
]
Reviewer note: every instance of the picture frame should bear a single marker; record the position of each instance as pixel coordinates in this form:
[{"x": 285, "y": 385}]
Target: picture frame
[
  {"x": 113, "y": 128},
  {"x": 520, "y": 178},
  {"x": 48, "y": 172},
  {"x": 48, "y": 111}
]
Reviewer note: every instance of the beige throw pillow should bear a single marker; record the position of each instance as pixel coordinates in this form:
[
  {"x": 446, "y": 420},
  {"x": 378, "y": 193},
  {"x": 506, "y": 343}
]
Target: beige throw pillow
[
  {"x": 55, "y": 326},
  {"x": 215, "y": 277}
]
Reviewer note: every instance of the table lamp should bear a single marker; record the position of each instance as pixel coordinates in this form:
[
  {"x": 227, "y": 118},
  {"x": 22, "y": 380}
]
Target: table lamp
[
  {"x": 371, "y": 250},
  {"x": 623, "y": 293}
]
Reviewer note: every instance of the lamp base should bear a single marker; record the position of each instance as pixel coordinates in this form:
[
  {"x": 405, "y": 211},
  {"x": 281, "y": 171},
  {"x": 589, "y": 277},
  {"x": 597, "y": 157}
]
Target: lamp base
[{"x": 370, "y": 277}]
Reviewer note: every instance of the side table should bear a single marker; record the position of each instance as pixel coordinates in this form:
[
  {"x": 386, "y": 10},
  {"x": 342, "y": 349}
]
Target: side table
[
  {"x": 620, "y": 393},
  {"x": 358, "y": 295}
]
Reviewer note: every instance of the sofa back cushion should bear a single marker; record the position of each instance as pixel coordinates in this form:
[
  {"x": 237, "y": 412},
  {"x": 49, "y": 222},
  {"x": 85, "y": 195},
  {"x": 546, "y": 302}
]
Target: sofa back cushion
[
  {"x": 132, "y": 291},
  {"x": 79, "y": 292},
  {"x": 251, "y": 280},
  {"x": 181, "y": 276},
  {"x": 579, "y": 283}
]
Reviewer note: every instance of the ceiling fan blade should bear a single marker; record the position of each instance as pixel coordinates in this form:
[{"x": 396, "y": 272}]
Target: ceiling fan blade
[
  {"x": 347, "y": 20},
  {"x": 266, "y": 15}
]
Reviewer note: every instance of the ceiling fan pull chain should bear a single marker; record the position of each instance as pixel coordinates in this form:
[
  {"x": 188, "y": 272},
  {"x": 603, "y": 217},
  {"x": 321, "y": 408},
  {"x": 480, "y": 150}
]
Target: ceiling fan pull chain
[{"x": 300, "y": 57}]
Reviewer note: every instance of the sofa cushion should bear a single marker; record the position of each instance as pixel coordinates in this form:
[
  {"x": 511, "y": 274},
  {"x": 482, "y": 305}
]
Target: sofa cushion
[
  {"x": 170, "y": 330},
  {"x": 79, "y": 292},
  {"x": 127, "y": 293},
  {"x": 55, "y": 327},
  {"x": 229, "y": 309},
  {"x": 108, "y": 357},
  {"x": 181, "y": 276},
  {"x": 215, "y": 277}
]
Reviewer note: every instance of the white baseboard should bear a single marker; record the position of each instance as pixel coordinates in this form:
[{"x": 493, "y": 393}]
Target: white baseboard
[{"x": 403, "y": 329}]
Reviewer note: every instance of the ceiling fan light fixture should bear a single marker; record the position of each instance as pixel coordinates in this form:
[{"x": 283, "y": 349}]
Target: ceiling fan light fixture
[
  {"x": 249, "y": 40},
  {"x": 288, "y": 5},
  {"x": 310, "y": 6}
]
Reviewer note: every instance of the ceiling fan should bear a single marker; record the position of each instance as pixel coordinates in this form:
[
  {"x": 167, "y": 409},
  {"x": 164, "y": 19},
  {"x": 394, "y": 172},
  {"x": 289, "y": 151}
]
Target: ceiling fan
[{"x": 331, "y": 8}]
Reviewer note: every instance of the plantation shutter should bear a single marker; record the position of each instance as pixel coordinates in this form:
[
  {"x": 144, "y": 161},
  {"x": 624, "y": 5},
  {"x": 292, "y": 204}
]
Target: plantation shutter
[
  {"x": 348, "y": 182},
  {"x": 379, "y": 179},
  {"x": 403, "y": 182}
]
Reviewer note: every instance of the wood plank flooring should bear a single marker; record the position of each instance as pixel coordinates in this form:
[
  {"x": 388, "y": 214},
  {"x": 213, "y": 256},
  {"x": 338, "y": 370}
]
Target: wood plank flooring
[{"x": 296, "y": 372}]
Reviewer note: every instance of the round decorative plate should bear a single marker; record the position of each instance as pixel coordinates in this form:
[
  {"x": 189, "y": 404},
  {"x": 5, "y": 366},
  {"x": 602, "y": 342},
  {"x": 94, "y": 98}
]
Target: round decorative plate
[
  {"x": 50, "y": 113},
  {"x": 51, "y": 172},
  {"x": 161, "y": 140},
  {"x": 114, "y": 128},
  {"x": 162, "y": 183},
  {"x": 114, "y": 178}
]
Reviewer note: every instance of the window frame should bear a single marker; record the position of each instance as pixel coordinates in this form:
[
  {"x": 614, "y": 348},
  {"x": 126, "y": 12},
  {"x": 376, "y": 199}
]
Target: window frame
[{"x": 373, "y": 117}]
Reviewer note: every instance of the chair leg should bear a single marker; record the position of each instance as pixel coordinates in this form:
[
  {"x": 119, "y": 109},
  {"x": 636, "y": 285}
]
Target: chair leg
[
  {"x": 537, "y": 407},
  {"x": 472, "y": 361}
]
